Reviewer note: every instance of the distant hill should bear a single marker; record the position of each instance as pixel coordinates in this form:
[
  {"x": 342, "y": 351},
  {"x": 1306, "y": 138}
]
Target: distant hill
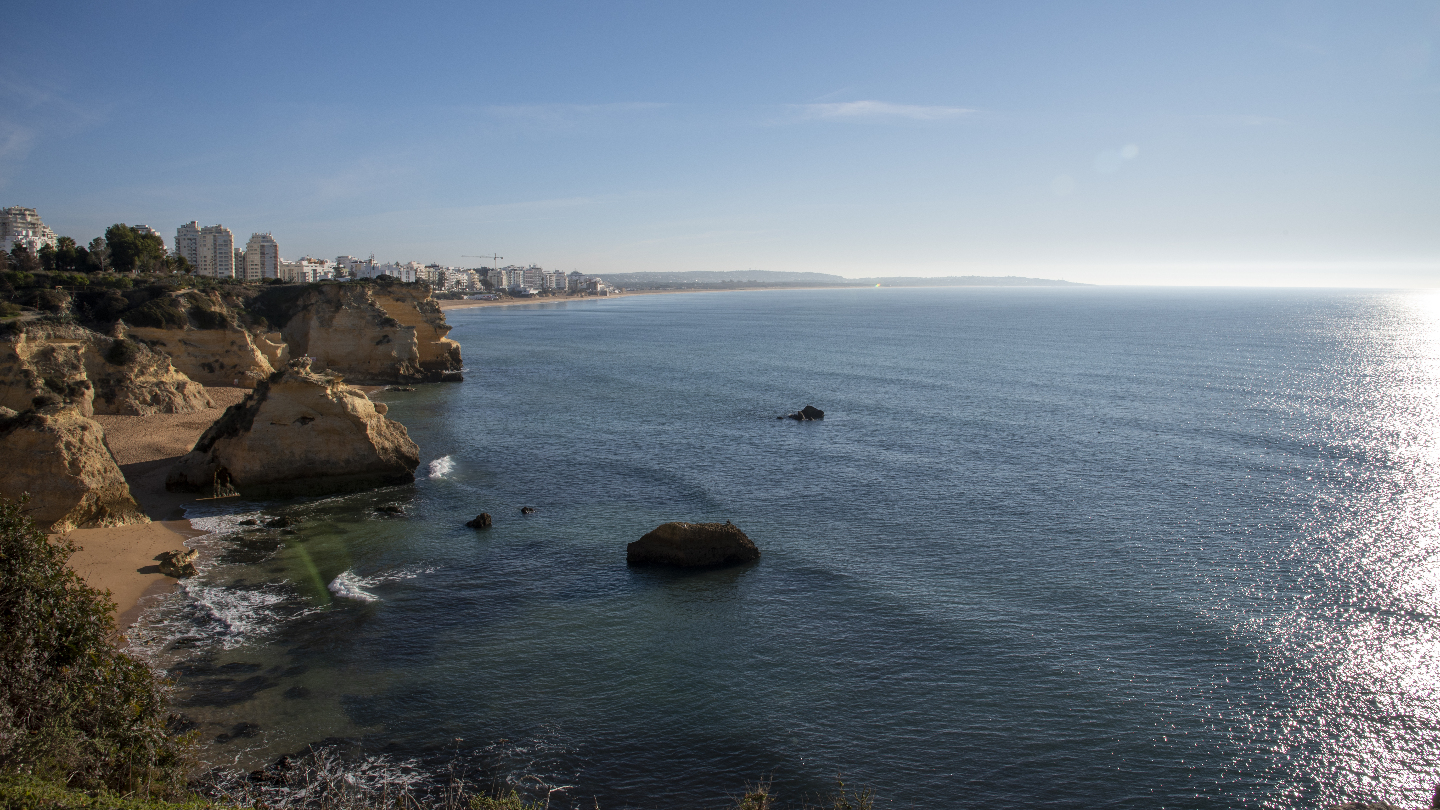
[{"x": 725, "y": 278}]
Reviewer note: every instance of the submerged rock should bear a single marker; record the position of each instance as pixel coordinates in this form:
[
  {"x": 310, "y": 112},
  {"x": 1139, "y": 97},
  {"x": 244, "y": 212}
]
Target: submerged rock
[
  {"x": 300, "y": 433},
  {"x": 481, "y": 521},
  {"x": 809, "y": 413},
  {"x": 527, "y": 510},
  {"x": 690, "y": 545},
  {"x": 60, "y": 458}
]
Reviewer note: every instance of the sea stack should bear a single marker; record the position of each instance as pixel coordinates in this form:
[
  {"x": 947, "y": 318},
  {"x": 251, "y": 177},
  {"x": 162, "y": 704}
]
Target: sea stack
[
  {"x": 300, "y": 433},
  {"x": 692, "y": 545}
]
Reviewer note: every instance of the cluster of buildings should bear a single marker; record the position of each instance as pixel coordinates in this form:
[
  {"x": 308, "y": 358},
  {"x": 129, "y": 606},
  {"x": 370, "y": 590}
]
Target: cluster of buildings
[
  {"x": 22, "y": 226},
  {"x": 211, "y": 251}
]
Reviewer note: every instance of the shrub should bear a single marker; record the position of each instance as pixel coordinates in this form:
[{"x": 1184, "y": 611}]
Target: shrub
[
  {"x": 73, "y": 708},
  {"x": 160, "y": 313},
  {"x": 122, "y": 353}
]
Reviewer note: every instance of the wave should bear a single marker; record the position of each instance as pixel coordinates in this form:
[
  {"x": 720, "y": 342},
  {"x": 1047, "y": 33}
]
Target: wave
[
  {"x": 350, "y": 585},
  {"x": 442, "y": 467}
]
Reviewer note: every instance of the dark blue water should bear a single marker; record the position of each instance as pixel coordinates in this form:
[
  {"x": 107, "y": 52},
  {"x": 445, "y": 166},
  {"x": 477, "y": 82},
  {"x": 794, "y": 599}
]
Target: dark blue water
[{"x": 1062, "y": 547}]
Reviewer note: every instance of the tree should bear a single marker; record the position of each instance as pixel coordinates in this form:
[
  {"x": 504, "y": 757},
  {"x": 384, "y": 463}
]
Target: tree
[
  {"x": 132, "y": 250},
  {"x": 22, "y": 259},
  {"x": 99, "y": 255},
  {"x": 65, "y": 257},
  {"x": 72, "y": 707}
]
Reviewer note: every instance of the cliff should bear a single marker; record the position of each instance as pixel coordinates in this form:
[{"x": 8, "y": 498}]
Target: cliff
[
  {"x": 68, "y": 471},
  {"x": 300, "y": 433},
  {"x": 203, "y": 335},
  {"x": 373, "y": 334},
  {"x": 95, "y": 373}
]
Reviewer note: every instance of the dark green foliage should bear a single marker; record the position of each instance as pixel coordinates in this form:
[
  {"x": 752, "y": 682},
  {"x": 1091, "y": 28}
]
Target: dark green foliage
[
  {"x": 22, "y": 260},
  {"x": 68, "y": 257},
  {"x": 72, "y": 708},
  {"x": 122, "y": 353},
  {"x": 100, "y": 306},
  {"x": 30, "y": 793},
  {"x": 9, "y": 310},
  {"x": 161, "y": 313},
  {"x": 133, "y": 251}
]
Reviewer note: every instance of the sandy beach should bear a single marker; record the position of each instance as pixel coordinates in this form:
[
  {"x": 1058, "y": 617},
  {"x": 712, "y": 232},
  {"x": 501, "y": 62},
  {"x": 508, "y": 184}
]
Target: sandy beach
[{"x": 122, "y": 560}]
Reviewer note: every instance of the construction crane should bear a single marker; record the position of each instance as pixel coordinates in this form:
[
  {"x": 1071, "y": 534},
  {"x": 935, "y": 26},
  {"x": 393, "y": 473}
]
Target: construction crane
[{"x": 495, "y": 259}]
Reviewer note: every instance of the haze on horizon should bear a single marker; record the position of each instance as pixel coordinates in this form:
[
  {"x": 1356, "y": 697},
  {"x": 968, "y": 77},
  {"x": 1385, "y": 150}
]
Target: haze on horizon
[{"x": 1276, "y": 143}]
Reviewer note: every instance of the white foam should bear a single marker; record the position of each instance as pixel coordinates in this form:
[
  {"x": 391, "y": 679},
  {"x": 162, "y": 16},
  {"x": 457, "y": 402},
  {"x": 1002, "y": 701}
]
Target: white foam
[
  {"x": 441, "y": 467},
  {"x": 350, "y": 586}
]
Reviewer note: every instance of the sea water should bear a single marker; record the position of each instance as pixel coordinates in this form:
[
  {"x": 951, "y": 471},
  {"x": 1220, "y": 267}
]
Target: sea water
[{"x": 1074, "y": 547}]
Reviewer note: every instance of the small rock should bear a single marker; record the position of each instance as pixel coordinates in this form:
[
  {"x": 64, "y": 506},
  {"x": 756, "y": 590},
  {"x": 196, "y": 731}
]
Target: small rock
[
  {"x": 390, "y": 509},
  {"x": 280, "y": 523},
  {"x": 179, "y": 564},
  {"x": 249, "y": 522},
  {"x": 527, "y": 510},
  {"x": 809, "y": 413},
  {"x": 481, "y": 521},
  {"x": 289, "y": 532}
]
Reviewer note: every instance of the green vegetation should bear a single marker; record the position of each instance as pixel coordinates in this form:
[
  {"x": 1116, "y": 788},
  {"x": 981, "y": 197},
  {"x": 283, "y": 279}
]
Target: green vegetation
[
  {"x": 73, "y": 709},
  {"x": 22, "y": 792}
]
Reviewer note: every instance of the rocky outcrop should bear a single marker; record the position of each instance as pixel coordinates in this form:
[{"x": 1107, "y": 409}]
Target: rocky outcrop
[
  {"x": 178, "y": 564},
  {"x": 297, "y": 433},
  {"x": 691, "y": 545},
  {"x": 370, "y": 333},
  {"x": 66, "y": 468},
  {"x": 481, "y": 521},
  {"x": 93, "y": 372},
  {"x": 35, "y": 372},
  {"x": 203, "y": 337},
  {"x": 809, "y": 413}
]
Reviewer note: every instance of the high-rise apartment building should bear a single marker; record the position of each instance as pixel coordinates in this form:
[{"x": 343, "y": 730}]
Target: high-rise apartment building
[
  {"x": 187, "y": 243},
  {"x": 22, "y": 226},
  {"x": 216, "y": 253},
  {"x": 262, "y": 257}
]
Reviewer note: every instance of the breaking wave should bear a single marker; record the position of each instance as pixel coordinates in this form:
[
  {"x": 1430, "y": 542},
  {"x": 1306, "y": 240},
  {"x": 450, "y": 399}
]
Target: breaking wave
[
  {"x": 441, "y": 467},
  {"x": 350, "y": 585}
]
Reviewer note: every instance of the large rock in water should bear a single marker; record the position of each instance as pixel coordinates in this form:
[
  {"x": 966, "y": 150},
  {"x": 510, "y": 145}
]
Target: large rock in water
[
  {"x": 60, "y": 458},
  {"x": 300, "y": 433},
  {"x": 692, "y": 545}
]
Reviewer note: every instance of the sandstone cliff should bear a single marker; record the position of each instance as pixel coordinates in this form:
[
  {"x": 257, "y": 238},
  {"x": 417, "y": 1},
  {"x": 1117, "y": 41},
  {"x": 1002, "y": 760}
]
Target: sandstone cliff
[
  {"x": 370, "y": 333},
  {"x": 201, "y": 334},
  {"x": 95, "y": 373},
  {"x": 300, "y": 432},
  {"x": 68, "y": 471}
]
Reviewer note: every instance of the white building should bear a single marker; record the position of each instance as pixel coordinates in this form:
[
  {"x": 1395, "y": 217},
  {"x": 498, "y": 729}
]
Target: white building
[
  {"x": 149, "y": 230},
  {"x": 262, "y": 257},
  {"x": 216, "y": 254},
  {"x": 187, "y": 243},
  {"x": 22, "y": 226},
  {"x": 553, "y": 280}
]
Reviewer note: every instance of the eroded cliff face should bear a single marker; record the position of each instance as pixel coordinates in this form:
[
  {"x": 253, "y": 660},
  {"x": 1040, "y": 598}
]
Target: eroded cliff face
[
  {"x": 300, "y": 433},
  {"x": 438, "y": 356},
  {"x": 94, "y": 373},
  {"x": 66, "y": 468},
  {"x": 37, "y": 371},
  {"x": 204, "y": 339},
  {"x": 372, "y": 334}
]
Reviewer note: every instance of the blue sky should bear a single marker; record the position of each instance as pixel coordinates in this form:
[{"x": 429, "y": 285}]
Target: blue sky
[{"x": 1150, "y": 143}]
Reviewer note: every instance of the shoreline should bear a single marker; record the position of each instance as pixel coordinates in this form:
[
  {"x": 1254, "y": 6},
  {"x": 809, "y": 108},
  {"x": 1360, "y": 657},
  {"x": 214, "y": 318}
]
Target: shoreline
[
  {"x": 122, "y": 559},
  {"x": 510, "y": 302}
]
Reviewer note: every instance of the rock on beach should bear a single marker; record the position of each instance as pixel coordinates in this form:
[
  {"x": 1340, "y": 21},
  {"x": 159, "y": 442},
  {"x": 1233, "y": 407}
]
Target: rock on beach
[
  {"x": 300, "y": 433},
  {"x": 692, "y": 545}
]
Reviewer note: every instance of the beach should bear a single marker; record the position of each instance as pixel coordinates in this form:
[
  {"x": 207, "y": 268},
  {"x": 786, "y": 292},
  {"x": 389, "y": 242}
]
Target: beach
[{"x": 122, "y": 559}]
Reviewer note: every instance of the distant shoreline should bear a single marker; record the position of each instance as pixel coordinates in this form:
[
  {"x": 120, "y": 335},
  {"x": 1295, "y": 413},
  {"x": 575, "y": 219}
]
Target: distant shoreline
[{"x": 508, "y": 302}]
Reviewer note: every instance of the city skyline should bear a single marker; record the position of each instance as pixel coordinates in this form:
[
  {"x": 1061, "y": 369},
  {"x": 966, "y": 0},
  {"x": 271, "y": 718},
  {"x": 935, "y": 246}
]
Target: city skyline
[{"x": 1216, "y": 143}]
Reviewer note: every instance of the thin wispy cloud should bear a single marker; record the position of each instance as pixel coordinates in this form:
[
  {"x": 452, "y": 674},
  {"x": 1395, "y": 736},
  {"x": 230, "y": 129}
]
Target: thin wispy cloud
[{"x": 879, "y": 110}]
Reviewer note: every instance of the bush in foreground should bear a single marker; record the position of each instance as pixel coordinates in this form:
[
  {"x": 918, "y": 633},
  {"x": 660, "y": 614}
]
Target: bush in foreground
[{"x": 73, "y": 708}]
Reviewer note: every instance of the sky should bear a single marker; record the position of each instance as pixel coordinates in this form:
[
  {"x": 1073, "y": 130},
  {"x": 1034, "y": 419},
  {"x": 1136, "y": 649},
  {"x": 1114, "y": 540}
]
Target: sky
[{"x": 1190, "y": 143}]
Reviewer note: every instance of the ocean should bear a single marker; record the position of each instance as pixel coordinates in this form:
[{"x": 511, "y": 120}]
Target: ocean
[{"x": 1061, "y": 547}]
